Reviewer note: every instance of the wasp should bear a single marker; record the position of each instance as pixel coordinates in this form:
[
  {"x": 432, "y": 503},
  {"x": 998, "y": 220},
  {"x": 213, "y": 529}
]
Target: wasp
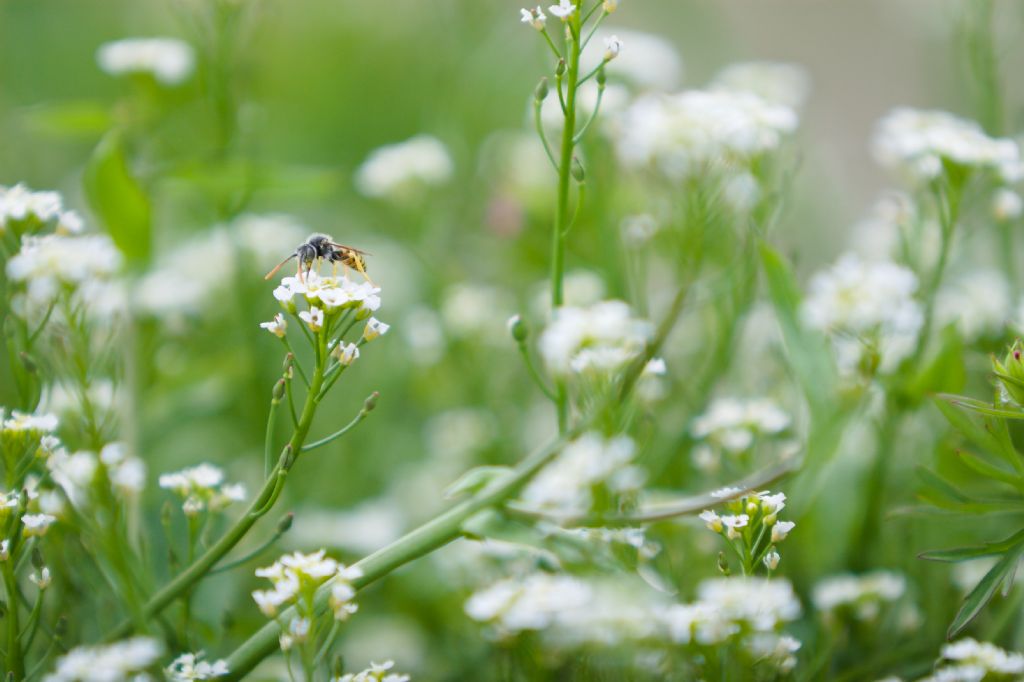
[{"x": 322, "y": 247}]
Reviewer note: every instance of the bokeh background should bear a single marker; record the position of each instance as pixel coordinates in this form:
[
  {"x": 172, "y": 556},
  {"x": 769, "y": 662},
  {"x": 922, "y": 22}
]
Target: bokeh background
[{"x": 286, "y": 103}]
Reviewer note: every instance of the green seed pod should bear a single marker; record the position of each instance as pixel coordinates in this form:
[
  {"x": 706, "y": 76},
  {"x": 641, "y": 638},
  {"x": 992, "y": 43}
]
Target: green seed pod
[
  {"x": 371, "y": 402},
  {"x": 560, "y": 69},
  {"x": 577, "y": 170},
  {"x": 540, "y": 93},
  {"x": 279, "y": 389},
  {"x": 285, "y": 524}
]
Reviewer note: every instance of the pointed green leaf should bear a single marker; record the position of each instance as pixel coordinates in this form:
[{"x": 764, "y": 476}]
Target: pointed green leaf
[
  {"x": 989, "y": 470},
  {"x": 982, "y": 407},
  {"x": 118, "y": 199},
  {"x": 966, "y": 426},
  {"x": 984, "y": 591}
]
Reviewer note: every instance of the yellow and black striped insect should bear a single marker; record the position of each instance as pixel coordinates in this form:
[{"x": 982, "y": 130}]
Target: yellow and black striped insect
[{"x": 322, "y": 247}]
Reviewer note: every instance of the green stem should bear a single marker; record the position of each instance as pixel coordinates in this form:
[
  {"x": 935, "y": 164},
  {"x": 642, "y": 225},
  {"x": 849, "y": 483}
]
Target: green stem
[
  {"x": 339, "y": 433},
  {"x": 525, "y": 352},
  {"x": 268, "y": 441},
  {"x": 867, "y": 540},
  {"x": 259, "y": 507},
  {"x": 15, "y": 661}
]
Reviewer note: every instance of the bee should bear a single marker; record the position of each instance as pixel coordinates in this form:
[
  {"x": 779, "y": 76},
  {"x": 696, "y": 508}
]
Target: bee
[{"x": 322, "y": 247}]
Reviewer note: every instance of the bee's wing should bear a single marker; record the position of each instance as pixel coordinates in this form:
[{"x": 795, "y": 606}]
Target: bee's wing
[
  {"x": 278, "y": 267},
  {"x": 351, "y": 248}
]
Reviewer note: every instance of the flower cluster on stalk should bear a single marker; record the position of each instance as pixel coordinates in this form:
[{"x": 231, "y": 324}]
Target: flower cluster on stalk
[
  {"x": 202, "y": 487},
  {"x": 117, "y": 662},
  {"x": 752, "y": 528},
  {"x": 860, "y": 597}
]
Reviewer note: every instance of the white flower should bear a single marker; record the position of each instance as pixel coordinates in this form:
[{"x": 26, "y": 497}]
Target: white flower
[
  {"x": 600, "y": 339},
  {"x": 728, "y": 491},
  {"x": 771, "y": 560},
  {"x": 917, "y": 143},
  {"x": 19, "y": 203},
  {"x": 712, "y": 520},
  {"x": 345, "y": 354},
  {"x": 168, "y": 60},
  {"x": 5, "y": 551},
  {"x": 188, "y": 667},
  {"x": 612, "y": 47},
  {"x": 609, "y": 6},
  {"x": 863, "y": 594},
  {"x": 278, "y": 326},
  {"x": 563, "y": 10},
  {"x": 314, "y": 317},
  {"x": 37, "y": 524},
  {"x": 781, "y": 529},
  {"x": 1006, "y": 205},
  {"x": 122, "y": 661},
  {"x": 399, "y": 169},
  {"x": 290, "y": 575},
  {"x": 775, "y": 82},
  {"x": 733, "y": 424},
  {"x": 533, "y": 17},
  {"x": 564, "y": 485},
  {"x": 202, "y": 486},
  {"x": 19, "y": 421},
  {"x": 343, "y": 592},
  {"x": 856, "y": 301},
  {"x": 697, "y": 132},
  {"x": 989, "y": 657},
  {"x": 377, "y": 672},
  {"x": 375, "y": 328},
  {"x": 42, "y": 579},
  {"x": 733, "y": 522}
]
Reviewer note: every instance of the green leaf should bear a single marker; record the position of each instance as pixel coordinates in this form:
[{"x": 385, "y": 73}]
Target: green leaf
[
  {"x": 941, "y": 486},
  {"x": 944, "y": 369},
  {"x": 117, "y": 199},
  {"x": 476, "y": 479},
  {"x": 981, "y": 407},
  {"x": 989, "y": 470},
  {"x": 958, "y": 554},
  {"x": 984, "y": 591},
  {"x": 981, "y": 437},
  {"x": 807, "y": 350}
]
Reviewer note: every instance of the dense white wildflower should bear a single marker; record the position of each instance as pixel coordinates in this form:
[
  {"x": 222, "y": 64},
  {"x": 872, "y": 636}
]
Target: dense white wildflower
[
  {"x": 776, "y": 82},
  {"x": 53, "y": 264},
  {"x": 918, "y": 143},
  {"x": 22, "y": 422},
  {"x": 697, "y": 131},
  {"x": 20, "y": 205},
  {"x": 327, "y": 294},
  {"x": 124, "y": 661},
  {"x": 564, "y": 486},
  {"x": 650, "y": 63},
  {"x": 865, "y": 306},
  {"x": 734, "y": 424},
  {"x": 377, "y": 672},
  {"x": 1006, "y": 205},
  {"x": 202, "y": 486},
  {"x": 862, "y": 595},
  {"x": 169, "y": 60},
  {"x": 297, "y": 575},
  {"x": 397, "y": 169},
  {"x": 978, "y": 302},
  {"x": 188, "y": 667},
  {"x": 968, "y": 660},
  {"x": 37, "y": 524},
  {"x": 599, "y": 340}
]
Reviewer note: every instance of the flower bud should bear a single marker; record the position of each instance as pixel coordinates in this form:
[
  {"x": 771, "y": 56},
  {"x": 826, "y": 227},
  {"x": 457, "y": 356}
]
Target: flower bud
[
  {"x": 517, "y": 328},
  {"x": 279, "y": 390},
  {"x": 723, "y": 564},
  {"x": 578, "y": 173},
  {"x": 1010, "y": 372},
  {"x": 560, "y": 69},
  {"x": 610, "y": 6},
  {"x": 540, "y": 93},
  {"x": 771, "y": 560},
  {"x": 371, "y": 402},
  {"x": 780, "y": 530},
  {"x": 285, "y": 524},
  {"x": 289, "y": 360}
]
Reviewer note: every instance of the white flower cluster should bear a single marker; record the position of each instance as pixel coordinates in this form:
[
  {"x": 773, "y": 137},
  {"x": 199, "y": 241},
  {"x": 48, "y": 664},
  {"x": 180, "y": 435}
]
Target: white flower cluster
[
  {"x": 968, "y": 660},
  {"x": 733, "y": 425},
  {"x": 75, "y": 473},
  {"x": 82, "y": 266},
  {"x": 296, "y": 576},
  {"x": 698, "y": 130},
  {"x": 744, "y": 610},
  {"x": 202, "y": 487},
  {"x": 865, "y": 306},
  {"x": 754, "y": 520},
  {"x": 650, "y": 63},
  {"x": 860, "y": 595},
  {"x": 564, "y": 487},
  {"x": 19, "y": 203},
  {"x": 776, "y": 82},
  {"x": 124, "y": 661},
  {"x": 918, "y": 143},
  {"x": 377, "y": 672},
  {"x": 168, "y": 60},
  {"x": 598, "y": 340},
  {"x": 332, "y": 293},
  {"x": 572, "y": 611},
  {"x": 399, "y": 170},
  {"x": 189, "y": 667},
  {"x": 22, "y": 422}
]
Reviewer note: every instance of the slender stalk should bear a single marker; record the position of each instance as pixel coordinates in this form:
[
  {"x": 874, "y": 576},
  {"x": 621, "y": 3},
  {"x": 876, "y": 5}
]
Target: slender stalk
[
  {"x": 339, "y": 433},
  {"x": 259, "y": 507},
  {"x": 15, "y": 661}
]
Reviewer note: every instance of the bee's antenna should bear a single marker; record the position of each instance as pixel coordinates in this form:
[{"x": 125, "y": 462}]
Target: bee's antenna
[{"x": 278, "y": 267}]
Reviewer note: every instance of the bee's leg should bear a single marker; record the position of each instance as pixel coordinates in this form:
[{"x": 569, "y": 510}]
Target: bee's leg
[
  {"x": 362, "y": 271},
  {"x": 344, "y": 269},
  {"x": 298, "y": 272},
  {"x": 334, "y": 269}
]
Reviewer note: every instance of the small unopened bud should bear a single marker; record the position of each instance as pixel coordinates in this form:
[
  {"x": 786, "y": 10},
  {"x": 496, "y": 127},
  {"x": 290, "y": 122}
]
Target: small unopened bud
[
  {"x": 610, "y": 6},
  {"x": 578, "y": 173},
  {"x": 752, "y": 506},
  {"x": 371, "y": 402},
  {"x": 285, "y": 524},
  {"x": 560, "y": 69},
  {"x": 612, "y": 48},
  {"x": 279, "y": 390},
  {"x": 28, "y": 363},
  {"x": 289, "y": 360},
  {"x": 37, "y": 558},
  {"x": 540, "y": 93},
  {"x": 1010, "y": 372},
  {"x": 287, "y": 457},
  {"x": 602, "y": 77},
  {"x": 517, "y": 328},
  {"x": 771, "y": 560},
  {"x": 723, "y": 564}
]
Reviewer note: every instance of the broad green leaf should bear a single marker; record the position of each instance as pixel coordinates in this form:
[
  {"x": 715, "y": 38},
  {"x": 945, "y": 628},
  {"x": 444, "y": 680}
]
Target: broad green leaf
[
  {"x": 984, "y": 591},
  {"x": 117, "y": 199}
]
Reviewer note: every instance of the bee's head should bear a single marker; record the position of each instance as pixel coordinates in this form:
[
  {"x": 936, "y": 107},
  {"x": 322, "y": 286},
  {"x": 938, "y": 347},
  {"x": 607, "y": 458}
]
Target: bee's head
[{"x": 306, "y": 252}]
